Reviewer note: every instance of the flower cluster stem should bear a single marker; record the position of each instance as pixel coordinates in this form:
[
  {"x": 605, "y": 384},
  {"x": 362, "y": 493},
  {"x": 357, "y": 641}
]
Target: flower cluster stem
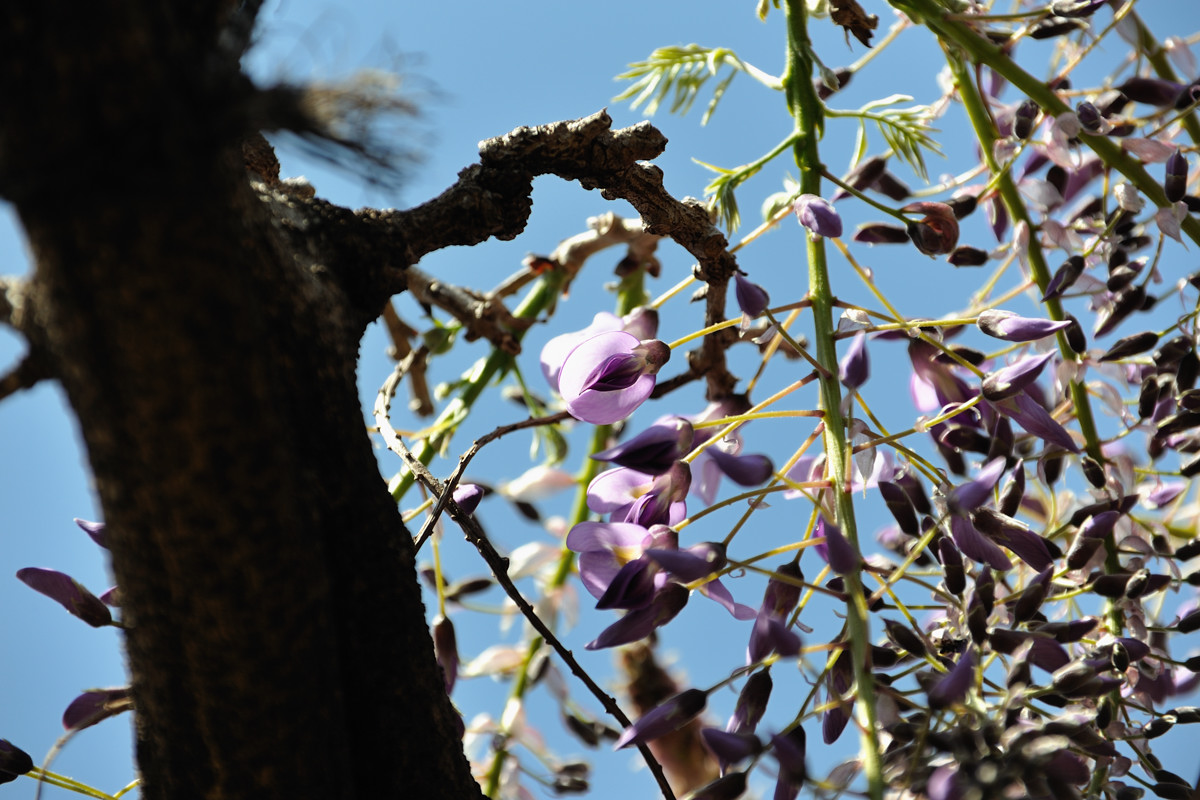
[{"x": 807, "y": 113}]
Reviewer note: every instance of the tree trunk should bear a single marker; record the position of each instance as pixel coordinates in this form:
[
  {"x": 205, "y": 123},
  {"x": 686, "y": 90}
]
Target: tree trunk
[{"x": 276, "y": 635}]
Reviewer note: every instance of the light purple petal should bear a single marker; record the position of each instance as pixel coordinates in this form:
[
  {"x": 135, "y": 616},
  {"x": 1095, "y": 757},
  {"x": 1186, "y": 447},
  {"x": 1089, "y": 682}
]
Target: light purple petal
[
  {"x": 747, "y": 470},
  {"x": 605, "y": 536},
  {"x": 96, "y": 530},
  {"x": 818, "y": 215},
  {"x": 855, "y": 366},
  {"x": 1008, "y": 326},
  {"x": 615, "y": 489},
  {"x": 715, "y": 590},
  {"x": 579, "y": 372},
  {"x": 555, "y": 352},
  {"x": 1011, "y": 379}
]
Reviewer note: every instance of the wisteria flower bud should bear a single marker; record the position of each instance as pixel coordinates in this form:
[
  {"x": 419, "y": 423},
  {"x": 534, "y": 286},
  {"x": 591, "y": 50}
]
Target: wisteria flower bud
[
  {"x": 751, "y": 703},
  {"x": 1012, "y": 379},
  {"x": 752, "y": 299},
  {"x": 641, "y": 622},
  {"x": 467, "y": 496},
  {"x": 967, "y": 256},
  {"x": 1024, "y": 118},
  {"x": 68, "y": 593},
  {"x": 954, "y": 685},
  {"x": 445, "y": 650},
  {"x": 1151, "y": 91},
  {"x": 1064, "y": 277},
  {"x": 818, "y": 215},
  {"x": 937, "y": 232},
  {"x": 654, "y": 450},
  {"x": 855, "y": 366},
  {"x": 1011, "y": 328},
  {"x": 13, "y": 761},
  {"x": 790, "y": 749},
  {"x": 96, "y": 705},
  {"x": 862, "y": 176},
  {"x": 666, "y": 718},
  {"x": 1090, "y": 118},
  {"x": 879, "y": 233},
  {"x": 1175, "y": 182}
]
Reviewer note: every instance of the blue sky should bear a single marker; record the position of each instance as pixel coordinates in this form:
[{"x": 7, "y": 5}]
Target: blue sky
[{"x": 477, "y": 72}]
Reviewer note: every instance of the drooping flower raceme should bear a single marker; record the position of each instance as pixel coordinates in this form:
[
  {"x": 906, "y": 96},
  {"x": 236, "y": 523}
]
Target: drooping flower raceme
[{"x": 606, "y": 378}]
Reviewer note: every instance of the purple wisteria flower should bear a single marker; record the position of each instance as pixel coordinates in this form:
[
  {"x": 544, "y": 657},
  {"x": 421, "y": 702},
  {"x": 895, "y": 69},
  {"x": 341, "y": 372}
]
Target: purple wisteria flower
[
  {"x": 1011, "y": 328},
  {"x": 654, "y": 450},
  {"x": 855, "y": 366},
  {"x": 731, "y": 748},
  {"x": 606, "y": 547},
  {"x": 751, "y": 298},
  {"x": 467, "y": 497},
  {"x": 770, "y": 632},
  {"x": 1012, "y": 379},
  {"x": 641, "y": 322},
  {"x": 641, "y": 622},
  {"x": 818, "y": 215},
  {"x": 841, "y": 555},
  {"x": 67, "y": 592},
  {"x": 96, "y": 705},
  {"x": 751, "y": 703},
  {"x": 975, "y": 493},
  {"x": 627, "y": 495},
  {"x": 672, "y": 715},
  {"x": 1034, "y": 418},
  {"x": 790, "y": 749},
  {"x": 96, "y": 530},
  {"x": 607, "y": 377}
]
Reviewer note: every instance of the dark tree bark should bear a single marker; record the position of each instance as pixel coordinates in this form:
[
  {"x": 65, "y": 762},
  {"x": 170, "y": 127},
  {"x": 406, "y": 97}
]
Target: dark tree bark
[
  {"x": 205, "y": 327},
  {"x": 276, "y": 635}
]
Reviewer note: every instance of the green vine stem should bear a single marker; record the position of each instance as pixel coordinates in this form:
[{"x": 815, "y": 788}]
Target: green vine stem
[
  {"x": 981, "y": 51},
  {"x": 806, "y": 110}
]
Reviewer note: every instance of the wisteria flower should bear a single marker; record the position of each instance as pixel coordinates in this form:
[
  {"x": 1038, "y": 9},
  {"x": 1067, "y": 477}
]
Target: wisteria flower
[
  {"x": 641, "y": 622},
  {"x": 67, "y": 592},
  {"x": 627, "y": 495},
  {"x": 666, "y": 718},
  {"x": 13, "y": 761},
  {"x": 96, "y": 530},
  {"x": 1008, "y": 326},
  {"x": 818, "y": 215},
  {"x": 655, "y": 450},
  {"x": 641, "y": 322},
  {"x": 605, "y": 379},
  {"x": 606, "y": 547},
  {"x": 96, "y": 705}
]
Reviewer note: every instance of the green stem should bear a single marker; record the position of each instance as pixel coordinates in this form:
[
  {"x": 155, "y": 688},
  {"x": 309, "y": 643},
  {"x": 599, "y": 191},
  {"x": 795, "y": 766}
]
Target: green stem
[
  {"x": 981, "y": 51},
  {"x": 806, "y": 110}
]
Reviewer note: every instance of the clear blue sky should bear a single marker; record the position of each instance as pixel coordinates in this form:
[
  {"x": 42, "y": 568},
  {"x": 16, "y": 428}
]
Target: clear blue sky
[{"x": 478, "y": 71}]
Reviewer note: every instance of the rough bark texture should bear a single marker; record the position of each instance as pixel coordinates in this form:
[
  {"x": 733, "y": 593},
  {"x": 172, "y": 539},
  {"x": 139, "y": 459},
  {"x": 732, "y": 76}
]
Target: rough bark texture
[
  {"x": 276, "y": 637},
  {"x": 204, "y": 321}
]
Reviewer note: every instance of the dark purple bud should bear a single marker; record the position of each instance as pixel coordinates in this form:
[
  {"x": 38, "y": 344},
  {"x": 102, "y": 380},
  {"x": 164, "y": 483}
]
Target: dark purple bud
[
  {"x": 952, "y": 566},
  {"x": 879, "y": 233},
  {"x": 904, "y": 637},
  {"x": 1093, "y": 470},
  {"x": 730, "y": 748},
  {"x": 94, "y": 530},
  {"x": 751, "y": 703},
  {"x": 843, "y": 77},
  {"x": 654, "y": 450},
  {"x": 68, "y": 592},
  {"x": 696, "y": 562},
  {"x": 467, "y": 497},
  {"x": 915, "y": 491},
  {"x": 855, "y": 366},
  {"x": 13, "y": 761},
  {"x": 1076, "y": 339},
  {"x": 445, "y": 650},
  {"x": 1008, "y": 532},
  {"x": 838, "y": 680},
  {"x": 1175, "y": 182},
  {"x": 1125, "y": 303},
  {"x": 783, "y": 589},
  {"x": 963, "y": 205},
  {"x": 1189, "y": 623},
  {"x": 1131, "y": 345},
  {"x": 1151, "y": 91},
  {"x": 967, "y": 256},
  {"x": 1013, "y": 491},
  {"x": 1089, "y": 117},
  {"x": 1012, "y": 379},
  {"x": 975, "y": 546},
  {"x": 752, "y": 299},
  {"x": 955, "y": 684},
  {"x": 818, "y": 215},
  {"x": 843, "y": 558},
  {"x": 790, "y": 749},
  {"x": 1064, "y": 277},
  {"x": 666, "y": 718},
  {"x": 95, "y": 706},
  {"x": 1052, "y": 27},
  {"x": 891, "y": 187},
  {"x": 1024, "y": 118},
  {"x": 641, "y": 622},
  {"x": 902, "y": 510},
  {"x": 863, "y": 176},
  {"x": 747, "y": 470},
  {"x": 937, "y": 232},
  {"x": 1011, "y": 328}
]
